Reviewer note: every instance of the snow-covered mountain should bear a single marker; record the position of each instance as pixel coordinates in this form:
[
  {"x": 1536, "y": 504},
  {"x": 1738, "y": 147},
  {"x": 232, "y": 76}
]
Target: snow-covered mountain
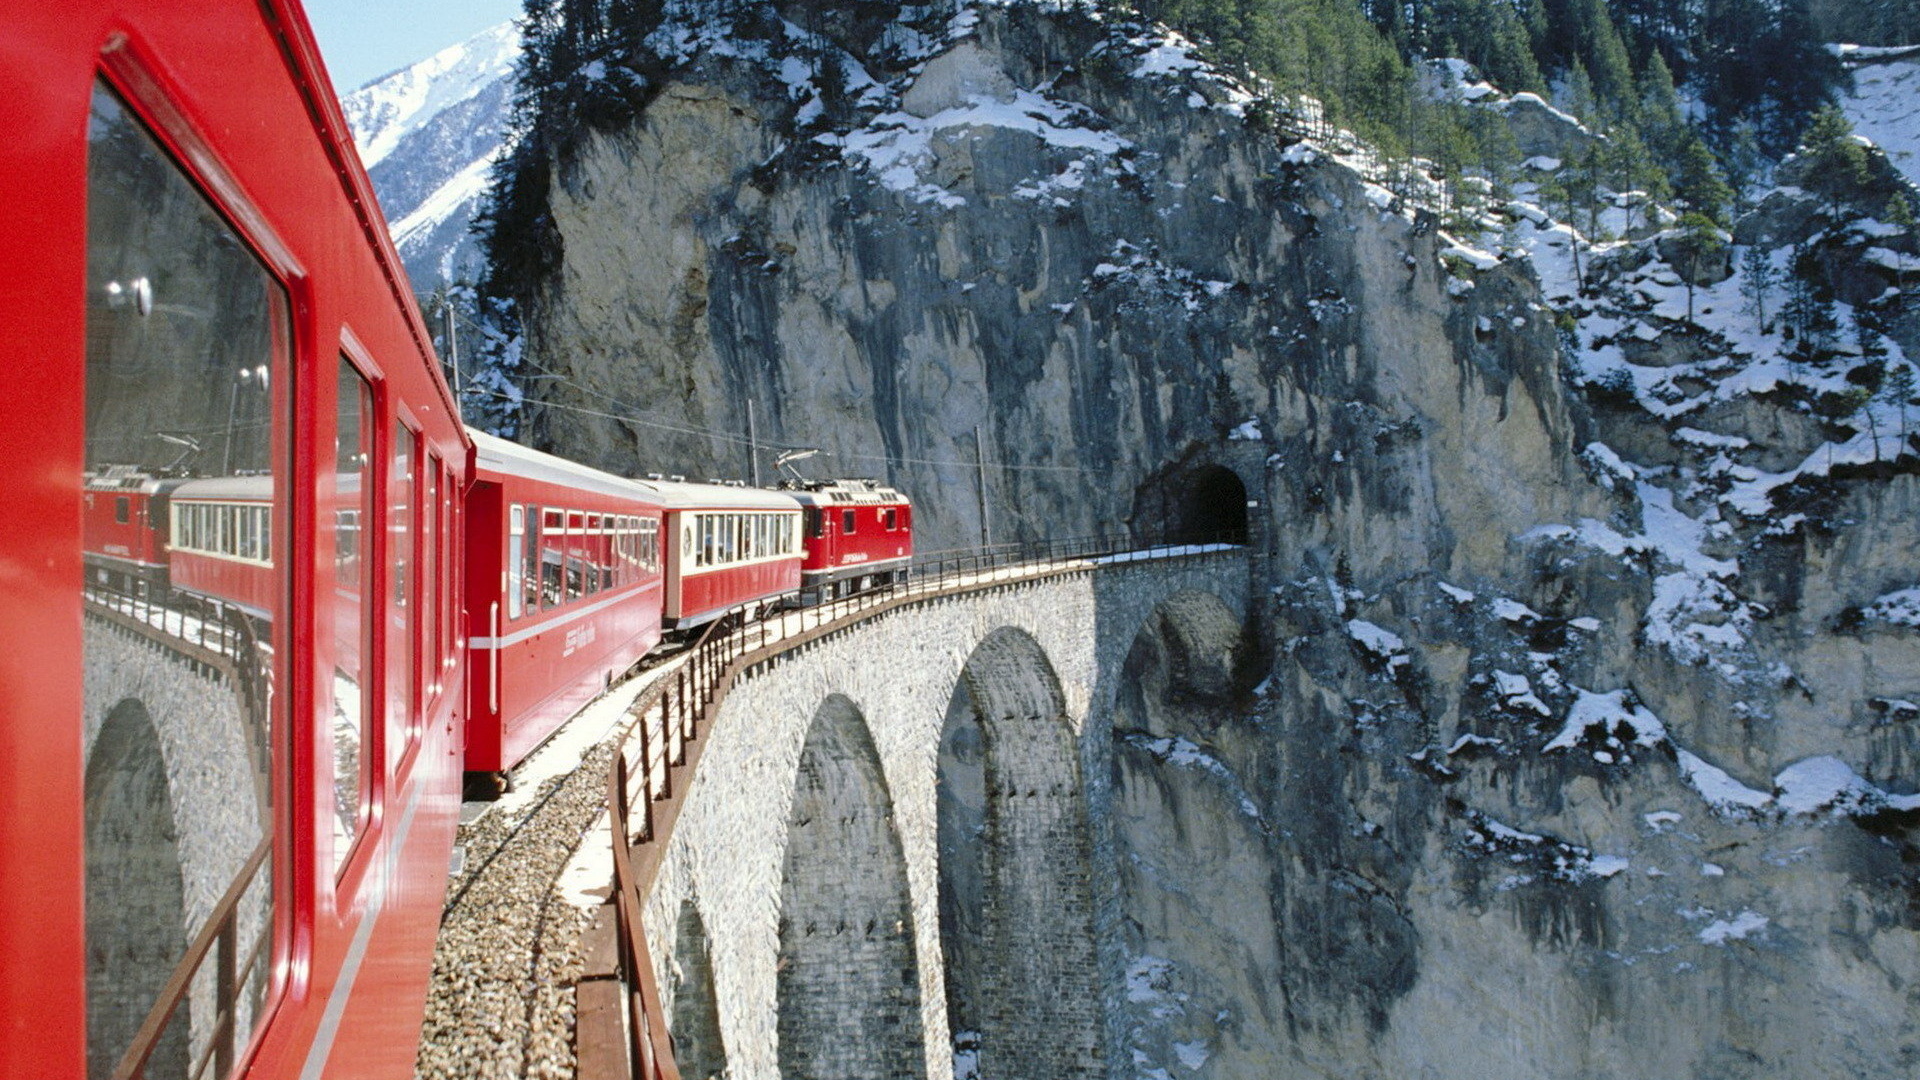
[{"x": 428, "y": 134}]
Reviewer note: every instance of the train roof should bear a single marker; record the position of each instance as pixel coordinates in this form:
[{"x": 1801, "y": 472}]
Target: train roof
[
  {"x": 680, "y": 495},
  {"x": 249, "y": 488},
  {"x": 494, "y": 454},
  {"x": 849, "y": 493}
]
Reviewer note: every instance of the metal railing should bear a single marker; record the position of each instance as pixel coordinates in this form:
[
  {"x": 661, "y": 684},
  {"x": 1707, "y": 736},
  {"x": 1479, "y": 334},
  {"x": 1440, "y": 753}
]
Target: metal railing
[
  {"x": 219, "y": 939},
  {"x": 643, "y": 797}
]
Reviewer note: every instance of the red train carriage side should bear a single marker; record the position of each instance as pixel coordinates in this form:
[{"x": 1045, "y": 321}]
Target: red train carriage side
[
  {"x": 858, "y": 533},
  {"x": 563, "y": 593},
  {"x": 727, "y": 549},
  {"x": 226, "y": 838},
  {"x": 220, "y": 541}
]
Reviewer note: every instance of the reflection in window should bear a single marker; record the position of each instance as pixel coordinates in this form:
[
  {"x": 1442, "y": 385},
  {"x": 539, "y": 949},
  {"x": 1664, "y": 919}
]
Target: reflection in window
[
  {"x": 184, "y": 329},
  {"x": 400, "y": 643},
  {"x": 352, "y": 626}
]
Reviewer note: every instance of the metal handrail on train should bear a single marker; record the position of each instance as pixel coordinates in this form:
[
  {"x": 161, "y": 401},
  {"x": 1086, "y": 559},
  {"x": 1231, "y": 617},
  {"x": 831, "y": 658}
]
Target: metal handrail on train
[{"x": 694, "y": 693}]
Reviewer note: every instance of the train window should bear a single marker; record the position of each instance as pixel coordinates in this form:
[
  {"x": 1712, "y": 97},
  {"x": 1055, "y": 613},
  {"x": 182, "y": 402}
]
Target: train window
[
  {"x": 402, "y": 643},
  {"x": 179, "y": 806},
  {"x": 847, "y": 522},
  {"x": 530, "y": 564},
  {"x": 351, "y": 723},
  {"x": 890, "y": 519},
  {"x": 430, "y": 574},
  {"x": 516, "y": 558},
  {"x": 816, "y": 522},
  {"x": 121, "y": 509}
]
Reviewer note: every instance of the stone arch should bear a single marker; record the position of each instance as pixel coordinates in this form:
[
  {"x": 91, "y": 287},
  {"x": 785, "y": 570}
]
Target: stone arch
[
  {"x": 698, "y": 1048},
  {"x": 848, "y": 982},
  {"x": 136, "y": 893},
  {"x": 1192, "y": 502},
  {"x": 1016, "y": 906},
  {"x": 1195, "y": 863}
]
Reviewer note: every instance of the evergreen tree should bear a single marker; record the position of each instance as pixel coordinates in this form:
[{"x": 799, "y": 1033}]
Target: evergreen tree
[
  {"x": 1836, "y": 162},
  {"x": 1900, "y": 215},
  {"x": 1700, "y": 240},
  {"x": 1699, "y": 181},
  {"x": 1758, "y": 277}
]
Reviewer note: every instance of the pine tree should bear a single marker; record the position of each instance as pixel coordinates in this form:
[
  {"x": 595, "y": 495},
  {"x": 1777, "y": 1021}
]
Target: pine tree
[
  {"x": 1700, "y": 240},
  {"x": 1900, "y": 215},
  {"x": 1699, "y": 182},
  {"x": 1758, "y": 277},
  {"x": 1835, "y": 161}
]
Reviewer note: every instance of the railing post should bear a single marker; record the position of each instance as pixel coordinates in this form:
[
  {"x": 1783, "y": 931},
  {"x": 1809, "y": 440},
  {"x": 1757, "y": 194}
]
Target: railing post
[{"x": 225, "y": 994}]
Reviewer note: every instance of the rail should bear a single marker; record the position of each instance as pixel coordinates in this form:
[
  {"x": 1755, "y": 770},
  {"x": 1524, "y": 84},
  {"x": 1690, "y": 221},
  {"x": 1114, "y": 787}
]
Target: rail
[{"x": 643, "y": 798}]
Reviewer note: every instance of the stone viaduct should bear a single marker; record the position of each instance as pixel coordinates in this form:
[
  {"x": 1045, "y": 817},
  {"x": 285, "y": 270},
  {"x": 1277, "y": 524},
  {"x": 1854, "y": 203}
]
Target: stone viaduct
[{"x": 899, "y": 856}]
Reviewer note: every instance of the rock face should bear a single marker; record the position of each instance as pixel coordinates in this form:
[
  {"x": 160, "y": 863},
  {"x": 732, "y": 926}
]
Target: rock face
[{"x": 1535, "y": 762}]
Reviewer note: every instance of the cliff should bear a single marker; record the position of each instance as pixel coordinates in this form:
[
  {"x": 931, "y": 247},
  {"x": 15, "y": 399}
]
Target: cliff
[{"x": 1577, "y": 734}]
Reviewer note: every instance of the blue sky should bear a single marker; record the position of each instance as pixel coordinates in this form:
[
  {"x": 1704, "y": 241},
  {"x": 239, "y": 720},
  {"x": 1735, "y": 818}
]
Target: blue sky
[{"x": 364, "y": 39}]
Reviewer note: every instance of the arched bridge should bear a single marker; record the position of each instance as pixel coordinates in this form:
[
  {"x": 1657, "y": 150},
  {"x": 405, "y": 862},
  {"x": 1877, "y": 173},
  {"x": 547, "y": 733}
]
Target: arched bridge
[{"x": 903, "y": 850}]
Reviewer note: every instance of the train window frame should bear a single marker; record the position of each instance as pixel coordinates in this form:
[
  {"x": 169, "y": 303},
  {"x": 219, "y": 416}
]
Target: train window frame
[
  {"x": 371, "y": 525},
  {"x": 146, "y": 96},
  {"x": 516, "y": 556},
  {"x": 849, "y": 521}
]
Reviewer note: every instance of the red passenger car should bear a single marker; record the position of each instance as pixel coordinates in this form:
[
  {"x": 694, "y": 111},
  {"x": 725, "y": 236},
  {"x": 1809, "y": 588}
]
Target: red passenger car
[
  {"x": 225, "y": 839},
  {"x": 563, "y": 593},
  {"x": 859, "y": 534},
  {"x": 727, "y": 549},
  {"x": 220, "y": 541}
]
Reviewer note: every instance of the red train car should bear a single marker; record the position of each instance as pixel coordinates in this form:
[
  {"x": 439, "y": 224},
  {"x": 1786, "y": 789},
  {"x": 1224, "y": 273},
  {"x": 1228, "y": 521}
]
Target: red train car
[
  {"x": 226, "y": 839},
  {"x": 220, "y": 542},
  {"x": 859, "y": 534},
  {"x": 727, "y": 549},
  {"x": 563, "y": 593}
]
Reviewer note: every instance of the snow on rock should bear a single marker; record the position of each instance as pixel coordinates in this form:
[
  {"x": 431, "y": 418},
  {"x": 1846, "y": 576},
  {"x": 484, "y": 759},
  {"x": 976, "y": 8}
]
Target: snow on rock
[
  {"x": 1247, "y": 432},
  {"x": 1738, "y": 928},
  {"x": 1382, "y": 643},
  {"x": 1608, "y": 718},
  {"x": 1900, "y": 608},
  {"x": 1723, "y": 793},
  {"x": 1516, "y": 692},
  {"x": 897, "y": 147},
  {"x": 1885, "y": 103}
]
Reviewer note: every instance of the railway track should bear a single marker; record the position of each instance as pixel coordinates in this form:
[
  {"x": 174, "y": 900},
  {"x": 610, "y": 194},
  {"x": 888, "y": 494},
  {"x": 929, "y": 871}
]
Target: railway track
[{"x": 511, "y": 946}]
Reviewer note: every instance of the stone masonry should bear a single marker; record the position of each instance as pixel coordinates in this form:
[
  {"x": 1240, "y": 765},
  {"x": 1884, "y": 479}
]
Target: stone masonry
[{"x": 1021, "y": 658}]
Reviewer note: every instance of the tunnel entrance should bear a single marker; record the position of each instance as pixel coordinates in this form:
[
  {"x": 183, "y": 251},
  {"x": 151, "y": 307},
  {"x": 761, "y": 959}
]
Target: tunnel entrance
[
  {"x": 1191, "y": 504},
  {"x": 136, "y": 906}
]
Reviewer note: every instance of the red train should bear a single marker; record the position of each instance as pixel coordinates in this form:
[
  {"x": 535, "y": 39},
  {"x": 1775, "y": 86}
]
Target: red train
[
  {"x": 226, "y": 833},
  {"x": 268, "y": 598}
]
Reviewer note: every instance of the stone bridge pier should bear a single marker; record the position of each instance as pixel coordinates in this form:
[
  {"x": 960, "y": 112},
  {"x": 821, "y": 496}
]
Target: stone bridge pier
[
  {"x": 906, "y": 848},
  {"x": 175, "y": 804}
]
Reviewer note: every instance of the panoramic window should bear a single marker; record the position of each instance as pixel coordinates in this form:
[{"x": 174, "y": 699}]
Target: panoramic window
[{"x": 186, "y": 343}]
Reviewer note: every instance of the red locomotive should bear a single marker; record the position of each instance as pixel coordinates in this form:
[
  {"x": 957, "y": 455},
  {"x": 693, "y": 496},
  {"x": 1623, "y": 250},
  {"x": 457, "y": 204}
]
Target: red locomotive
[{"x": 859, "y": 534}]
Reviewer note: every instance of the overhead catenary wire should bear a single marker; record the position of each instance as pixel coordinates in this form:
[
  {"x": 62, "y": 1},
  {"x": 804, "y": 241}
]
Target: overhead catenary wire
[{"x": 629, "y": 418}]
